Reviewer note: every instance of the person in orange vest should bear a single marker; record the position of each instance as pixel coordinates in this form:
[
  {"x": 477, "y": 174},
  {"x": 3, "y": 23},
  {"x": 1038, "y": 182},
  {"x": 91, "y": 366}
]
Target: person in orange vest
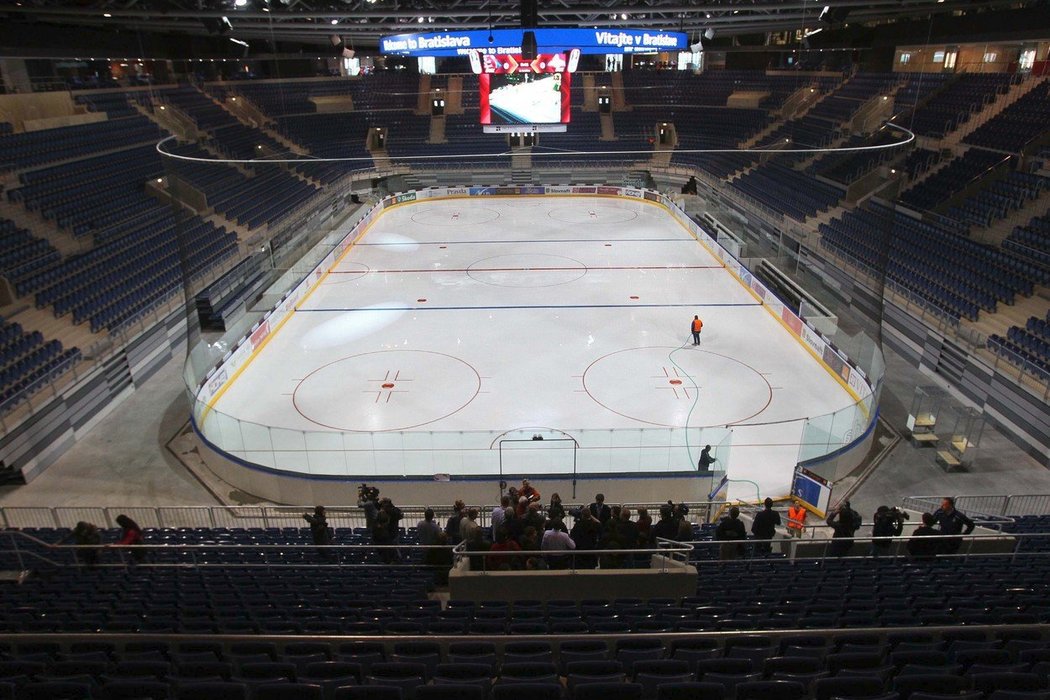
[
  {"x": 796, "y": 520},
  {"x": 696, "y": 327}
]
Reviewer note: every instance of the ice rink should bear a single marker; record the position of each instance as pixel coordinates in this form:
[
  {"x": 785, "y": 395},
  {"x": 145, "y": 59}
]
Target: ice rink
[{"x": 456, "y": 322}]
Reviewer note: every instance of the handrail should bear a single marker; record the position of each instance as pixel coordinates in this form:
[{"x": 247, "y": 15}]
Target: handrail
[
  {"x": 663, "y": 547},
  {"x": 1002, "y": 504},
  {"x": 500, "y": 640}
]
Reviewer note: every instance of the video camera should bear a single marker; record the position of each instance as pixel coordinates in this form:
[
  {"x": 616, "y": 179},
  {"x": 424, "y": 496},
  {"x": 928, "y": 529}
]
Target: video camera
[{"x": 367, "y": 493}]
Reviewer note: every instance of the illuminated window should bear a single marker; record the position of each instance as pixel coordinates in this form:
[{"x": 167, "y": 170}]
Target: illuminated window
[
  {"x": 905, "y": 57},
  {"x": 990, "y": 56}
]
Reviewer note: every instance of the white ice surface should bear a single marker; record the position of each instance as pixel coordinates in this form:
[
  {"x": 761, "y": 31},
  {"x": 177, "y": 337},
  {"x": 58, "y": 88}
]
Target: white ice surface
[{"x": 560, "y": 316}]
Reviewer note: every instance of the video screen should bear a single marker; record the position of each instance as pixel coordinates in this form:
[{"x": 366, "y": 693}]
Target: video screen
[{"x": 525, "y": 98}]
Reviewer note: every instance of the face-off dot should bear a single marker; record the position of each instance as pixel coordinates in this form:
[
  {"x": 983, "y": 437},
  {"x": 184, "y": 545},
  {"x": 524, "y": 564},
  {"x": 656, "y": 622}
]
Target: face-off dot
[
  {"x": 422, "y": 300},
  {"x": 676, "y": 382},
  {"x": 633, "y": 298},
  {"x": 388, "y": 385}
]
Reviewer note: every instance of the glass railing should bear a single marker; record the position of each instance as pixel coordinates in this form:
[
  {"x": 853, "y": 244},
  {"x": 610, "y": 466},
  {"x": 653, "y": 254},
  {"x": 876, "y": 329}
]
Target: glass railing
[
  {"x": 426, "y": 453},
  {"x": 423, "y": 453}
]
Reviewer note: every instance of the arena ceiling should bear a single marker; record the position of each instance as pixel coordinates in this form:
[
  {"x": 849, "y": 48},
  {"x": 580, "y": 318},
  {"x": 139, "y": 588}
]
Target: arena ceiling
[{"x": 361, "y": 22}]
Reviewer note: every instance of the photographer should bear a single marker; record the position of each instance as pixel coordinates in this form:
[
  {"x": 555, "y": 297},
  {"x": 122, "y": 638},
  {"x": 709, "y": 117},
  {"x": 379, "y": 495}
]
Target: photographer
[
  {"x": 887, "y": 522},
  {"x": 368, "y": 498},
  {"x": 844, "y": 523}
]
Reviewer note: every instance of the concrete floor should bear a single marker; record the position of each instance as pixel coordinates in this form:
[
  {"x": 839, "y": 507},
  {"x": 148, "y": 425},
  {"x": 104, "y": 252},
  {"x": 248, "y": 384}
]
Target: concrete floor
[{"x": 123, "y": 460}]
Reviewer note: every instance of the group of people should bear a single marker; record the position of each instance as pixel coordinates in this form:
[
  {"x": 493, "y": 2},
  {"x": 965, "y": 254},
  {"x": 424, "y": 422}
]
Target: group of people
[
  {"x": 732, "y": 532},
  {"x": 521, "y": 523},
  {"x": 938, "y": 533},
  {"x": 88, "y": 539}
]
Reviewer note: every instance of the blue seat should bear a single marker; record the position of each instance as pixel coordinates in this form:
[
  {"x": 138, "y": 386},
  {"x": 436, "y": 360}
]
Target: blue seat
[
  {"x": 691, "y": 691},
  {"x": 136, "y": 690},
  {"x": 939, "y": 683},
  {"x": 368, "y": 692},
  {"x": 527, "y": 691},
  {"x": 212, "y": 691},
  {"x": 653, "y": 673},
  {"x": 848, "y": 687},
  {"x": 450, "y": 692},
  {"x": 579, "y": 672},
  {"x": 403, "y": 675},
  {"x": 527, "y": 652},
  {"x": 288, "y": 691},
  {"x": 541, "y": 673},
  {"x": 607, "y": 691},
  {"x": 473, "y": 653},
  {"x": 770, "y": 690},
  {"x": 989, "y": 682}
]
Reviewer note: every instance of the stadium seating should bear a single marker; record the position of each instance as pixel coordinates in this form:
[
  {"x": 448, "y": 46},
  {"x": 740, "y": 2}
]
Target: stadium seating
[
  {"x": 28, "y": 363},
  {"x": 952, "y": 178},
  {"x": 953, "y": 274}
]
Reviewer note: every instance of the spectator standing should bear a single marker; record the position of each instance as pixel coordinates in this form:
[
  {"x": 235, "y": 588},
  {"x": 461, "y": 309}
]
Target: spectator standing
[
  {"x": 452, "y": 526},
  {"x": 732, "y": 533},
  {"x": 585, "y": 535},
  {"x": 503, "y": 544},
  {"x": 924, "y": 543},
  {"x": 844, "y": 523},
  {"x": 439, "y": 559},
  {"x": 528, "y": 491},
  {"x": 599, "y": 510},
  {"x": 666, "y": 527},
  {"x": 426, "y": 529},
  {"x": 499, "y": 513},
  {"x": 886, "y": 522},
  {"x": 87, "y": 537},
  {"x": 319, "y": 530},
  {"x": 555, "y": 510},
  {"x": 131, "y": 534},
  {"x": 469, "y": 524},
  {"x": 645, "y": 526},
  {"x": 796, "y": 523},
  {"x": 764, "y": 527},
  {"x": 952, "y": 522},
  {"x": 557, "y": 541}
]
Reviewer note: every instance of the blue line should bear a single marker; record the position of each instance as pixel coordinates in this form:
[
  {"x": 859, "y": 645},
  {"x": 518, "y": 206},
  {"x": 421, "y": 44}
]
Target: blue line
[
  {"x": 535, "y": 240},
  {"x": 542, "y": 306}
]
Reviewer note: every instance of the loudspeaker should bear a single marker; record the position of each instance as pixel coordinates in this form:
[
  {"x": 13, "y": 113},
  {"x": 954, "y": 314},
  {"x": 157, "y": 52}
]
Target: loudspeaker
[
  {"x": 709, "y": 34},
  {"x": 528, "y": 45}
]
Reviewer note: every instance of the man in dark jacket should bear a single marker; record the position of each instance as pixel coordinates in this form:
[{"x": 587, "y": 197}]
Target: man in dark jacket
[
  {"x": 319, "y": 526},
  {"x": 731, "y": 531},
  {"x": 844, "y": 523},
  {"x": 599, "y": 510},
  {"x": 952, "y": 522},
  {"x": 764, "y": 527},
  {"x": 924, "y": 543}
]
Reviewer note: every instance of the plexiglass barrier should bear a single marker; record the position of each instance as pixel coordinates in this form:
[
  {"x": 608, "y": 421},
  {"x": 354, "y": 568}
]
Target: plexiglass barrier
[{"x": 298, "y": 249}]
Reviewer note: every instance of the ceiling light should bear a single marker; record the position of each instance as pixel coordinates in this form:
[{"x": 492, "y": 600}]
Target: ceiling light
[
  {"x": 335, "y": 21},
  {"x": 420, "y": 20},
  {"x": 106, "y": 14},
  {"x": 240, "y": 3}
]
